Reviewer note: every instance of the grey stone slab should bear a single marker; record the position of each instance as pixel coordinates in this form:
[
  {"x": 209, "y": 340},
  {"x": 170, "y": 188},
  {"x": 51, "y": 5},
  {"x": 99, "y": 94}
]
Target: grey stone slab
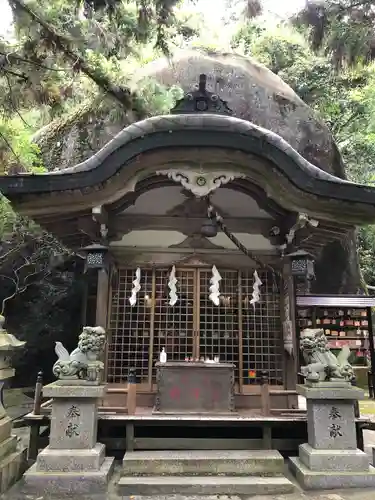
[
  {"x": 330, "y": 480},
  {"x": 204, "y": 485},
  {"x": 50, "y": 460},
  {"x": 74, "y": 423},
  {"x": 5, "y": 428},
  {"x": 329, "y": 390},
  {"x": 203, "y": 462},
  {"x": 8, "y": 446},
  {"x": 331, "y": 424},
  {"x": 55, "y": 483},
  {"x": 59, "y": 390},
  {"x": 11, "y": 468},
  {"x": 333, "y": 460}
]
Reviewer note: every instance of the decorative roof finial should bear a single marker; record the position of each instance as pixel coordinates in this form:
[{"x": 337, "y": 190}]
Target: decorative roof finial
[
  {"x": 201, "y": 101},
  {"x": 202, "y": 83}
]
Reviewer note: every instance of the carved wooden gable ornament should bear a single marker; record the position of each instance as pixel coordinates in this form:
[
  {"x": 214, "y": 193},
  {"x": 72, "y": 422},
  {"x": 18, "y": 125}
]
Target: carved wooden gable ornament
[
  {"x": 200, "y": 100},
  {"x": 200, "y": 182}
]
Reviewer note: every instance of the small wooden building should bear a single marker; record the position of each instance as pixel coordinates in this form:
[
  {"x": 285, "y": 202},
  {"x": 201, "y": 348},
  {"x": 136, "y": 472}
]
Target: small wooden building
[{"x": 174, "y": 198}]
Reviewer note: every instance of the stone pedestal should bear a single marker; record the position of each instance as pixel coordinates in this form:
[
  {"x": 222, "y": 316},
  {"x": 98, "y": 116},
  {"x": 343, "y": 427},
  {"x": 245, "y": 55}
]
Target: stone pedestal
[
  {"x": 331, "y": 459},
  {"x": 73, "y": 462},
  {"x": 12, "y": 455}
]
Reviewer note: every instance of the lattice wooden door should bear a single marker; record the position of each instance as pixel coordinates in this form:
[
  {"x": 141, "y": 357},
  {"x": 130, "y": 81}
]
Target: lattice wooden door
[
  {"x": 130, "y": 328},
  {"x": 174, "y": 326},
  {"x": 218, "y": 326},
  {"x": 139, "y": 333},
  {"x": 195, "y": 327}
]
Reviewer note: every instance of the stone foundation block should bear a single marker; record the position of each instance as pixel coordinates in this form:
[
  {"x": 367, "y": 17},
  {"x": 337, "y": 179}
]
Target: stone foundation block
[
  {"x": 8, "y": 446},
  {"x": 5, "y": 428},
  {"x": 333, "y": 460},
  {"x": 329, "y": 480},
  {"x": 12, "y": 467},
  {"x": 59, "y": 483},
  {"x": 51, "y": 460}
]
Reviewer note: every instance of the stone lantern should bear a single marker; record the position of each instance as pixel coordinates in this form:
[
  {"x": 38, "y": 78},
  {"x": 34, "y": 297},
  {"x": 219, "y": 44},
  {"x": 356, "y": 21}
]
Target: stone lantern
[
  {"x": 8, "y": 344},
  {"x": 12, "y": 451}
]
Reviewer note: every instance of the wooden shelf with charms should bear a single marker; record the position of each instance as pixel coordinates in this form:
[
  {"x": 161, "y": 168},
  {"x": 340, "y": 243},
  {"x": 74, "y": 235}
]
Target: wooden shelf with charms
[{"x": 345, "y": 319}]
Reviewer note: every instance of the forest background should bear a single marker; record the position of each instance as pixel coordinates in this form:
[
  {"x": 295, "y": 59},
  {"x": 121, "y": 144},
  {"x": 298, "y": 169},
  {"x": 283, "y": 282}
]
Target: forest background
[{"x": 63, "y": 59}]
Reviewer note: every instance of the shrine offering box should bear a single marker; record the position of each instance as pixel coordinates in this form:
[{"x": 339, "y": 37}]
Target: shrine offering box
[{"x": 186, "y": 387}]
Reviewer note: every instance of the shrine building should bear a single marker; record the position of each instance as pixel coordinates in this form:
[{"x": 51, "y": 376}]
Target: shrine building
[{"x": 202, "y": 234}]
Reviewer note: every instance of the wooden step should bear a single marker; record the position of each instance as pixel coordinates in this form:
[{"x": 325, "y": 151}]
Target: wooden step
[
  {"x": 203, "y": 463},
  {"x": 204, "y": 485}
]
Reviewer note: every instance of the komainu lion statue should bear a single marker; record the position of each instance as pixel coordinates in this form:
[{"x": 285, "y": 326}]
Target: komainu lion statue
[
  {"x": 321, "y": 364},
  {"x": 83, "y": 363}
]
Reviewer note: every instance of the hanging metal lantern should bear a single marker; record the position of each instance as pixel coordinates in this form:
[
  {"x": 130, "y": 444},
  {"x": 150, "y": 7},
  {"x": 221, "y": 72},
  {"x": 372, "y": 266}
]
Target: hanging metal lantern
[
  {"x": 209, "y": 228},
  {"x": 97, "y": 256},
  {"x": 302, "y": 264}
]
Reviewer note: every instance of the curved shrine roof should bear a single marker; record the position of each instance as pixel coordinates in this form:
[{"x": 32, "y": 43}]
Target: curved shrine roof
[{"x": 199, "y": 135}]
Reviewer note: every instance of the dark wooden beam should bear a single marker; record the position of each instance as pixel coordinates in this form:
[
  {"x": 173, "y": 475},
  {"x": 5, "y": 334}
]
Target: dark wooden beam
[{"x": 122, "y": 224}]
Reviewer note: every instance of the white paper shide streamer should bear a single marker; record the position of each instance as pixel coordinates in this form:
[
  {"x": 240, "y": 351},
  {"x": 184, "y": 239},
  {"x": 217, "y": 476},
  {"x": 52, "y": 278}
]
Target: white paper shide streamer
[
  {"x": 136, "y": 287},
  {"x": 215, "y": 286},
  {"x": 256, "y": 292},
  {"x": 173, "y": 297}
]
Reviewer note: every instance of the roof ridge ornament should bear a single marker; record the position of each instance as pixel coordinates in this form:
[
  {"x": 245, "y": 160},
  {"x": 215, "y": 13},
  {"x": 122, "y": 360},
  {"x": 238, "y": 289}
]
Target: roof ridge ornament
[{"x": 201, "y": 100}]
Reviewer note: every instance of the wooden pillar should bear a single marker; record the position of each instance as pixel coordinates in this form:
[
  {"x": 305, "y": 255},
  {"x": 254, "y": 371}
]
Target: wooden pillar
[
  {"x": 132, "y": 392},
  {"x": 265, "y": 394},
  {"x": 102, "y": 295},
  {"x": 85, "y": 298},
  {"x": 290, "y": 340},
  {"x": 101, "y": 317}
]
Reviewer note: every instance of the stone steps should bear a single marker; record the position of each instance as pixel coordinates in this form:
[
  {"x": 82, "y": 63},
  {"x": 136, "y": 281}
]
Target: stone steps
[
  {"x": 204, "y": 485},
  {"x": 203, "y": 463},
  {"x": 203, "y": 472}
]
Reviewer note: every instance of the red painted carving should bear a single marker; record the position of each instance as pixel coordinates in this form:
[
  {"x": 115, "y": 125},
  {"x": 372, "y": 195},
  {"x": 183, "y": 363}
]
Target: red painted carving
[
  {"x": 196, "y": 393},
  {"x": 175, "y": 393}
]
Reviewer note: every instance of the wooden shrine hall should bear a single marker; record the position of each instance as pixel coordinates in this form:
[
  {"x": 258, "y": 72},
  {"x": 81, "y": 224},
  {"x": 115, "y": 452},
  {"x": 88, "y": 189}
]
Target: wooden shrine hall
[{"x": 199, "y": 232}]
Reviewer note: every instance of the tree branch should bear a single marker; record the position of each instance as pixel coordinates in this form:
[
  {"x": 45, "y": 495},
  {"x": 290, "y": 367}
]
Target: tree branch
[
  {"x": 17, "y": 58},
  {"x": 123, "y": 95},
  {"x": 10, "y": 147}
]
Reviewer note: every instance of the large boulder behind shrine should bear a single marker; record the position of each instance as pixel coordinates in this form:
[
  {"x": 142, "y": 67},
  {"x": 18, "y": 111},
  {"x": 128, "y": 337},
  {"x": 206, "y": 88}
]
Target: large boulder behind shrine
[{"x": 253, "y": 93}]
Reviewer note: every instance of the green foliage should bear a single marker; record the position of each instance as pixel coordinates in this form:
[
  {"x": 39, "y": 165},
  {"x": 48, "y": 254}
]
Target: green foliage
[
  {"x": 366, "y": 246},
  {"x": 17, "y": 151},
  {"x": 7, "y": 218},
  {"x": 341, "y": 29},
  {"x": 343, "y": 95},
  {"x": 277, "y": 48},
  {"x": 156, "y": 98}
]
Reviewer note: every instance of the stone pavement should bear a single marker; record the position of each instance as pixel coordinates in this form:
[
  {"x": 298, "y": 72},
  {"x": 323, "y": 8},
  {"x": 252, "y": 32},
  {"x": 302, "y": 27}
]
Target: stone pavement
[{"x": 18, "y": 492}]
